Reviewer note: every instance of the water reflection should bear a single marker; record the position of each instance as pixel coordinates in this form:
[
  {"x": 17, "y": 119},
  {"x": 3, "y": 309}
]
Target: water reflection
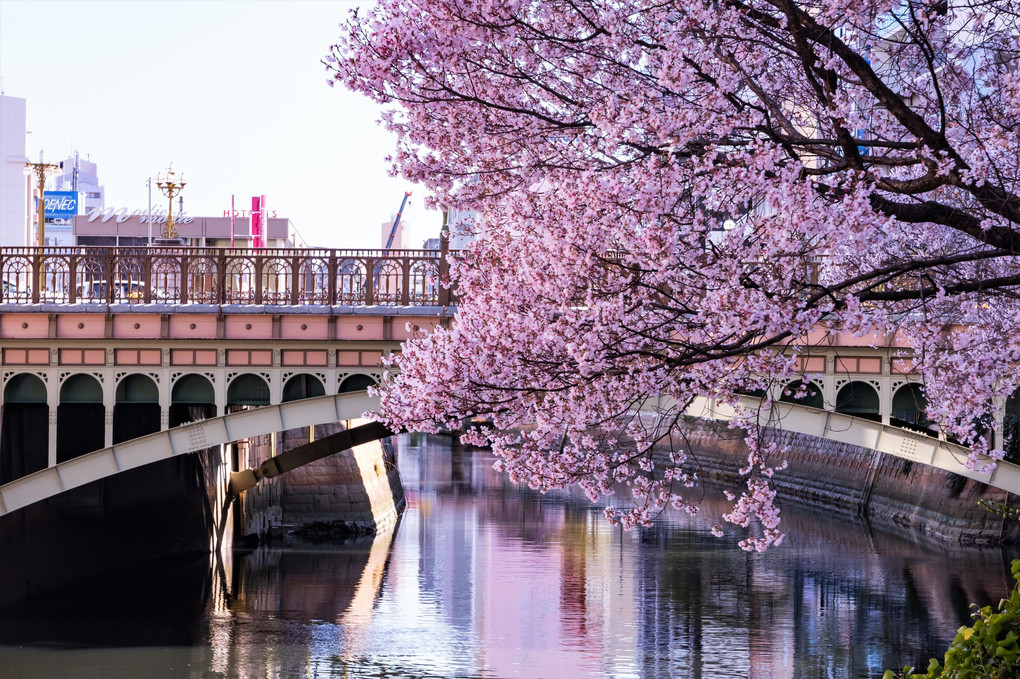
[{"x": 483, "y": 579}]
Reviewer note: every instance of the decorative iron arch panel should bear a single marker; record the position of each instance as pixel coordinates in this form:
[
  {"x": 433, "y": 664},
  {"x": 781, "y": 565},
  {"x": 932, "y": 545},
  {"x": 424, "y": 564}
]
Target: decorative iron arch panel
[
  {"x": 203, "y": 280},
  {"x": 423, "y": 288},
  {"x": 314, "y": 281},
  {"x": 17, "y": 279},
  {"x": 276, "y": 280},
  {"x": 388, "y": 278},
  {"x": 350, "y": 281},
  {"x": 56, "y": 278},
  {"x": 240, "y": 281}
]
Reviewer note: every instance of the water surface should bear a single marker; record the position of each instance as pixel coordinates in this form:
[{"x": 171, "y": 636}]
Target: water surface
[{"x": 485, "y": 579}]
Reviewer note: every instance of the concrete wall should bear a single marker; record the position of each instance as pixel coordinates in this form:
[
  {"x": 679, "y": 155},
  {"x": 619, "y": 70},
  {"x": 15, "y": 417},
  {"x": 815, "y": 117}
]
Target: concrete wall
[
  {"x": 354, "y": 492},
  {"x": 170, "y": 510},
  {"x": 891, "y": 493}
]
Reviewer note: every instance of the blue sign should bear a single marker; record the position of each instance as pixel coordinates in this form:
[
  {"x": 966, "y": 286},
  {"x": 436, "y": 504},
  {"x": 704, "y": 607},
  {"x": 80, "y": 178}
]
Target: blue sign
[{"x": 61, "y": 204}]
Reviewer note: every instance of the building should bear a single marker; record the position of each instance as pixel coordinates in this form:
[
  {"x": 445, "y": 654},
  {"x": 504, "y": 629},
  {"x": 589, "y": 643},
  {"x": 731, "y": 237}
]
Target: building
[
  {"x": 80, "y": 176},
  {"x": 398, "y": 234},
  {"x": 121, "y": 227},
  {"x": 14, "y": 195}
]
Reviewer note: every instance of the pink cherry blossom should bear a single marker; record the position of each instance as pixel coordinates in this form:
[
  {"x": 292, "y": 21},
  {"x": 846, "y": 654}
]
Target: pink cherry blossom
[{"x": 672, "y": 194}]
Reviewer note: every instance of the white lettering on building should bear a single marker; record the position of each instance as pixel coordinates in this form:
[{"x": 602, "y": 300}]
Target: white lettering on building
[{"x": 122, "y": 215}]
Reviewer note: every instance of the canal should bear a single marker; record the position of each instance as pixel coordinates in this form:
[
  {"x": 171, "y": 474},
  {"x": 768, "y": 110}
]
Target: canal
[{"x": 485, "y": 579}]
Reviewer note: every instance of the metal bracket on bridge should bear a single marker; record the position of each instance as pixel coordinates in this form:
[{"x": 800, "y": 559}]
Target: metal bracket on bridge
[{"x": 309, "y": 452}]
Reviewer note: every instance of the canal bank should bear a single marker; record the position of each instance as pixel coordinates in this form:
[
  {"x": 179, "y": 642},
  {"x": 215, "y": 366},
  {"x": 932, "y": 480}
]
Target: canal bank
[{"x": 890, "y": 493}]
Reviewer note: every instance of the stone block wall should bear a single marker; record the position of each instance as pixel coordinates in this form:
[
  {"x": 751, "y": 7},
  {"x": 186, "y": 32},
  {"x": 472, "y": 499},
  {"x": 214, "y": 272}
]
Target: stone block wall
[
  {"x": 354, "y": 492},
  {"x": 889, "y": 492}
]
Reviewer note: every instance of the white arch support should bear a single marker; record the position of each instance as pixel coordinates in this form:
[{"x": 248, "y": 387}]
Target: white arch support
[
  {"x": 896, "y": 441},
  {"x": 187, "y": 438}
]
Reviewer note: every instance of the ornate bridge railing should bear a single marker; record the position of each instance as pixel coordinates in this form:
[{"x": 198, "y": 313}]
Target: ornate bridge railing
[{"x": 183, "y": 275}]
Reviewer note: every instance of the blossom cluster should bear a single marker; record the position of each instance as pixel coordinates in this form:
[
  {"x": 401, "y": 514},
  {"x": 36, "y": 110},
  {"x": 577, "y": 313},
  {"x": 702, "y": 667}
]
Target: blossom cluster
[{"x": 674, "y": 196}]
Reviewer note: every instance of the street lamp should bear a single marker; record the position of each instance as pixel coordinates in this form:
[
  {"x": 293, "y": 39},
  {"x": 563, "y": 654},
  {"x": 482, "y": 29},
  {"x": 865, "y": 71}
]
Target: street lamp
[
  {"x": 171, "y": 185},
  {"x": 40, "y": 170}
]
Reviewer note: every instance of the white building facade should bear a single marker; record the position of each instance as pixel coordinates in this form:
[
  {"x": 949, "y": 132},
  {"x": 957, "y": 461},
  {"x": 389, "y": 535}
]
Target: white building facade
[{"x": 15, "y": 198}]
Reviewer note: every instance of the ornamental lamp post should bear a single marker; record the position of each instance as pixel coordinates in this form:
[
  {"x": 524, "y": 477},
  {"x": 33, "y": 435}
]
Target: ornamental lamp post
[
  {"x": 40, "y": 170},
  {"x": 171, "y": 185}
]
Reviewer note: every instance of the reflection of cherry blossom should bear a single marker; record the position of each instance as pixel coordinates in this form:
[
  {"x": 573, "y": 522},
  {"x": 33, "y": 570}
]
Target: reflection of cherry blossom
[{"x": 863, "y": 157}]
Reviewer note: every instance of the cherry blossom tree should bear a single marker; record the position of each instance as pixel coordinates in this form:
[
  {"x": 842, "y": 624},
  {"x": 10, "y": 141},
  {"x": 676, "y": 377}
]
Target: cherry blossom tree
[{"x": 674, "y": 194}]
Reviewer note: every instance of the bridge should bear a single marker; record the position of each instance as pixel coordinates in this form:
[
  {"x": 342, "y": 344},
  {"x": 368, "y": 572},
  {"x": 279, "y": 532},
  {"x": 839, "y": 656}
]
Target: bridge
[
  {"x": 908, "y": 444},
  {"x": 101, "y": 346},
  {"x": 194, "y": 436},
  {"x": 187, "y": 438}
]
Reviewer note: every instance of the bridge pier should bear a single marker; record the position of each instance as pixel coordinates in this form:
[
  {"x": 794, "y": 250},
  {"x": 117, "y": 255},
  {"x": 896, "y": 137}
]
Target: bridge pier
[
  {"x": 52, "y": 402},
  {"x": 356, "y": 491},
  {"x": 167, "y": 495},
  {"x": 172, "y": 510}
]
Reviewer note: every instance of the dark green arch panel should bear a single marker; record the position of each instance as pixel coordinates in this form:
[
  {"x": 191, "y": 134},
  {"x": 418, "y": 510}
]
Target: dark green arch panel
[
  {"x": 1013, "y": 403},
  {"x": 1011, "y": 428},
  {"x": 193, "y": 389},
  {"x": 25, "y": 388},
  {"x": 813, "y": 399},
  {"x": 858, "y": 398},
  {"x": 302, "y": 386},
  {"x": 909, "y": 406},
  {"x": 248, "y": 390},
  {"x": 81, "y": 389},
  {"x": 909, "y": 397},
  {"x": 137, "y": 389},
  {"x": 356, "y": 383}
]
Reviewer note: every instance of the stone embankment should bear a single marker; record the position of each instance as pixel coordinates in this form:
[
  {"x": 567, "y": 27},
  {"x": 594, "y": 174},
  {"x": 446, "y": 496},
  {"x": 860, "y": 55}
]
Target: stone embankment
[
  {"x": 891, "y": 493},
  {"x": 351, "y": 493}
]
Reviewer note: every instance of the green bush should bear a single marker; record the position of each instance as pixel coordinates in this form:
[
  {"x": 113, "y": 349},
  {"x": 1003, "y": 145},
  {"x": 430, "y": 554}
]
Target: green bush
[{"x": 989, "y": 649}]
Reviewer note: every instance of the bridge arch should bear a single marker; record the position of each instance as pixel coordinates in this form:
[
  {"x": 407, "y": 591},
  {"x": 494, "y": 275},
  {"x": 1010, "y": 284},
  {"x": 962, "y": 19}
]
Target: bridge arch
[
  {"x": 356, "y": 382},
  {"x": 812, "y": 394},
  {"x": 248, "y": 389},
  {"x": 301, "y": 386},
  {"x": 859, "y": 399},
  {"x": 192, "y": 398},
  {"x": 81, "y": 417},
  {"x": 136, "y": 410},
  {"x": 909, "y": 406},
  {"x": 24, "y": 430}
]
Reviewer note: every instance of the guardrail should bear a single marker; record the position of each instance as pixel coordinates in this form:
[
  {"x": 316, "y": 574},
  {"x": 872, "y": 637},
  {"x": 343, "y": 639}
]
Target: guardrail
[{"x": 183, "y": 275}]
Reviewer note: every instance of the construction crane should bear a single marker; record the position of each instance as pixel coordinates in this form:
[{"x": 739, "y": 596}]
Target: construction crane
[{"x": 396, "y": 221}]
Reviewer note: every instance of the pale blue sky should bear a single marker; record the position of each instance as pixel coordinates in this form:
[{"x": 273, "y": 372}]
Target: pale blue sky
[{"x": 233, "y": 93}]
